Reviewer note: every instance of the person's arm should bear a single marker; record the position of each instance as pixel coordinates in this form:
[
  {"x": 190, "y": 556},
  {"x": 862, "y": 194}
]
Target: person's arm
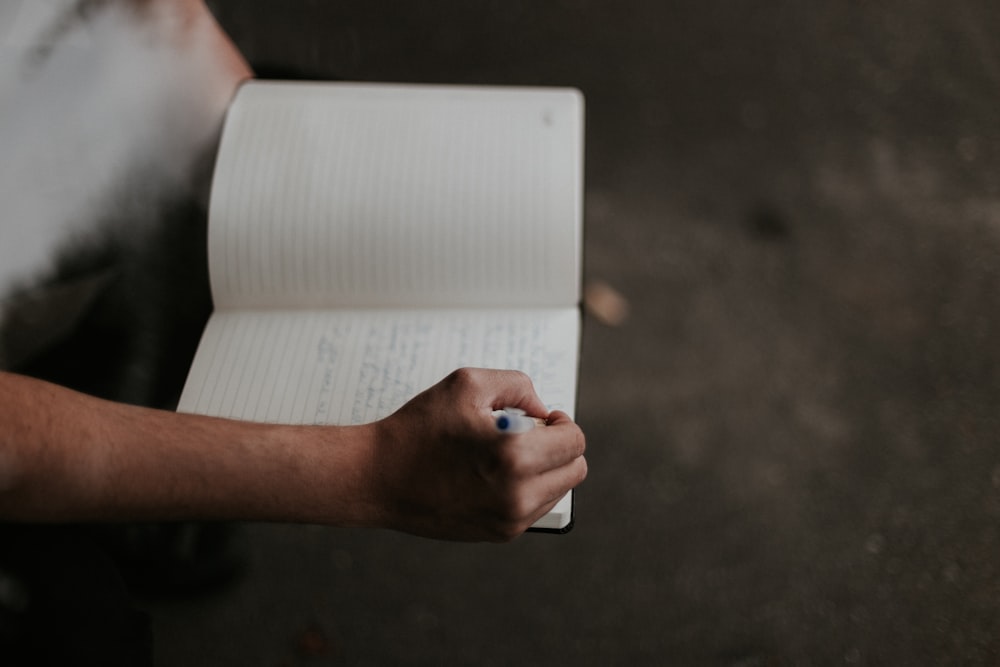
[{"x": 435, "y": 468}]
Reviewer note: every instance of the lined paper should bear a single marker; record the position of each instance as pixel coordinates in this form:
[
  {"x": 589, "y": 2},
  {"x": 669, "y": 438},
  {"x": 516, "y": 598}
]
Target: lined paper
[
  {"x": 347, "y": 195},
  {"x": 356, "y": 366}
]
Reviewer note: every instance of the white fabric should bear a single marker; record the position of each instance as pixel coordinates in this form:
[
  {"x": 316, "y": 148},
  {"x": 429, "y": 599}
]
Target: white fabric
[{"x": 82, "y": 105}]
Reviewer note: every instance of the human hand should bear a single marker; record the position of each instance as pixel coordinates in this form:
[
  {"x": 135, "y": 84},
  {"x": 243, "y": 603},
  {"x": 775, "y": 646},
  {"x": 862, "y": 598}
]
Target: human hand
[{"x": 442, "y": 470}]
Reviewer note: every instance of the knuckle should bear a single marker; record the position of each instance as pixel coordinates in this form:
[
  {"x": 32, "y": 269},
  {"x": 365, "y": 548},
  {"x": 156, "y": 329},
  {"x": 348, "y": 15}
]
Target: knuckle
[
  {"x": 508, "y": 461},
  {"x": 514, "y": 508},
  {"x": 521, "y": 377},
  {"x": 458, "y": 376},
  {"x": 580, "y": 441},
  {"x": 521, "y": 510},
  {"x": 522, "y": 381}
]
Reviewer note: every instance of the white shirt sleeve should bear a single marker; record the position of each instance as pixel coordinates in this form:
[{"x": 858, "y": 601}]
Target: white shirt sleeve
[{"x": 85, "y": 105}]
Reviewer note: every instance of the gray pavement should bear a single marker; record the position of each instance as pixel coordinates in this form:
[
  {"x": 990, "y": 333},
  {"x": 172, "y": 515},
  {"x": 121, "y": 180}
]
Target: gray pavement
[{"x": 792, "y": 436}]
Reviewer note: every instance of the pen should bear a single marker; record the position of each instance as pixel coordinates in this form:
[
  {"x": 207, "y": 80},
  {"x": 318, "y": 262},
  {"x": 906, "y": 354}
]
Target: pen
[{"x": 514, "y": 420}]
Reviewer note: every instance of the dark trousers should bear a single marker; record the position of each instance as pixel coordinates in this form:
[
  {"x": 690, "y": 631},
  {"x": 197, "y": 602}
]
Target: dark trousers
[{"x": 64, "y": 602}]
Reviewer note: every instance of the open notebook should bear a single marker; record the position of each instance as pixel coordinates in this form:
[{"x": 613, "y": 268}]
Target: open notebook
[{"x": 367, "y": 239}]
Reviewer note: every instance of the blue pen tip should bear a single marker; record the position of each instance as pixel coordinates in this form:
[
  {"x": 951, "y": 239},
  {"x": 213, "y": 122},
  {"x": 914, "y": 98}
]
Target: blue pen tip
[{"x": 503, "y": 422}]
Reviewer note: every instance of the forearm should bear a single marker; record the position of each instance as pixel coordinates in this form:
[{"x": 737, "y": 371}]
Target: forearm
[
  {"x": 436, "y": 467},
  {"x": 65, "y": 456}
]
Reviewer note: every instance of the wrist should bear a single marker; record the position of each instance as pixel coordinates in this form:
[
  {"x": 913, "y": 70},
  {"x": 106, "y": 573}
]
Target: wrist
[{"x": 332, "y": 476}]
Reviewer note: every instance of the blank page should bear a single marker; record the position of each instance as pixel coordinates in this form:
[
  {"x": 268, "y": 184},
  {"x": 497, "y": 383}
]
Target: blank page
[{"x": 354, "y": 195}]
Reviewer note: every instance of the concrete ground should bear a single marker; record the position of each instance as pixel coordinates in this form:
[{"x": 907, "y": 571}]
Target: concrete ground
[{"x": 793, "y": 436}]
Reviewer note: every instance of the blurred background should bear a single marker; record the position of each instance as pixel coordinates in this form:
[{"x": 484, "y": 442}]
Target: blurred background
[{"x": 790, "y": 371}]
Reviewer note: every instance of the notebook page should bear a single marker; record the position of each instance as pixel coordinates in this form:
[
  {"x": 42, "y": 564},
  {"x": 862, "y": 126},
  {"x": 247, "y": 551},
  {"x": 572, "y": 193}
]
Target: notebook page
[
  {"x": 355, "y": 195},
  {"x": 356, "y": 366}
]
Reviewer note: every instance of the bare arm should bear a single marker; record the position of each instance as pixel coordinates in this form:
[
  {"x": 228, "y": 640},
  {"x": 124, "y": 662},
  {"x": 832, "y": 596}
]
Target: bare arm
[
  {"x": 70, "y": 457},
  {"x": 435, "y": 468}
]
